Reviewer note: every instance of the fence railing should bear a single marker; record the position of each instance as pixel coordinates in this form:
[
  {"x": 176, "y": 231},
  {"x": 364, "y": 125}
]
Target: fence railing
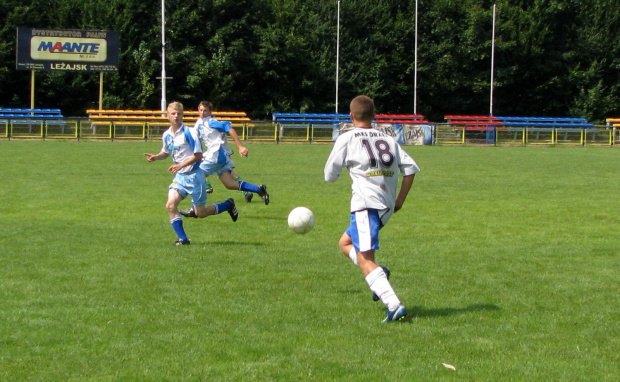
[
  {"x": 268, "y": 131},
  {"x": 446, "y": 134}
]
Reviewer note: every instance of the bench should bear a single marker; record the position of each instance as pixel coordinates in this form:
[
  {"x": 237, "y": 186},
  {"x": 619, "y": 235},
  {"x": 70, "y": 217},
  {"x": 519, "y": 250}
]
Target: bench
[
  {"x": 326, "y": 126},
  {"x": 17, "y": 113},
  {"x": 305, "y": 118},
  {"x": 543, "y": 130},
  {"x": 481, "y": 128},
  {"x": 26, "y": 122},
  {"x": 489, "y": 122},
  {"x": 473, "y": 122},
  {"x": 307, "y": 126},
  {"x": 144, "y": 124},
  {"x": 158, "y": 115},
  {"x": 613, "y": 122},
  {"x": 400, "y": 118},
  {"x": 545, "y": 122},
  {"x": 326, "y": 118}
]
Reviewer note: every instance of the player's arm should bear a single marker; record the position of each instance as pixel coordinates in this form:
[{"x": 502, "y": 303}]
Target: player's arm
[
  {"x": 335, "y": 162},
  {"x": 405, "y": 186},
  {"x": 153, "y": 157},
  {"x": 188, "y": 162},
  {"x": 243, "y": 151}
]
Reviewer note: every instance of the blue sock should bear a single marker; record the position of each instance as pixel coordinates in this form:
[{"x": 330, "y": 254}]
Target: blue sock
[
  {"x": 241, "y": 180},
  {"x": 177, "y": 225},
  {"x": 223, "y": 206},
  {"x": 245, "y": 186}
]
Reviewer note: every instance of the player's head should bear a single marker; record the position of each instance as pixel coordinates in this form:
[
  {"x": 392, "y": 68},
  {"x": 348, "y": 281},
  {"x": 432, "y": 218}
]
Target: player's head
[
  {"x": 175, "y": 113},
  {"x": 204, "y": 109},
  {"x": 175, "y": 106},
  {"x": 362, "y": 109}
]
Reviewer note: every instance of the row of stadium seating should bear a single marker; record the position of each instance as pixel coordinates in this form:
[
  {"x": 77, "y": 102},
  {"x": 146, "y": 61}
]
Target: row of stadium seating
[
  {"x": 613, "y": 122},
  {"x": 328, "y": 118},
  {"x": 482, "y": 122},
  {"x": 30, "y": 113},
  {"x": 158, "y": 115}
]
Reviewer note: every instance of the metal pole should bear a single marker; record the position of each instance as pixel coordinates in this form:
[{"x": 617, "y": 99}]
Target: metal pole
[
  {"x": 415, "y": 65},
  {"x": 100, "y": 90},
  {"x": 337, "y": 55},
  {"x": 32, "y": 89},
  {"x": 163, "y": 57},
  {"x": 492, "y": 60}
]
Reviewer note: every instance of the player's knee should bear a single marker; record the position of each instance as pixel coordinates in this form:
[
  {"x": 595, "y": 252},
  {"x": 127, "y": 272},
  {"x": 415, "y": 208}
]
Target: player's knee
[{"x": 170, "y": 206}]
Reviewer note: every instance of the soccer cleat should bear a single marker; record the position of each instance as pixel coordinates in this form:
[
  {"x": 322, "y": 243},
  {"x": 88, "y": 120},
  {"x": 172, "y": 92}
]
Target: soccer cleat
[
  {"x": 262, "y": 192},
  {"x": 397, "y": 314},
  {"x": 234, "y": 214},
  {"x": 387, "y": 273},
  {"x": 248, "y": 197},
  {"x": 181, "y": 242},
  {"x": 188, "y": 213},
  {"x": 209, "y": 190}
]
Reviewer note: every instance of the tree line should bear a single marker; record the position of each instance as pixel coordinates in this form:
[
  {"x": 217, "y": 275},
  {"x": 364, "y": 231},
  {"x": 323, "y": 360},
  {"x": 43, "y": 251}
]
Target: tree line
[{"x": 552, "y": 58}]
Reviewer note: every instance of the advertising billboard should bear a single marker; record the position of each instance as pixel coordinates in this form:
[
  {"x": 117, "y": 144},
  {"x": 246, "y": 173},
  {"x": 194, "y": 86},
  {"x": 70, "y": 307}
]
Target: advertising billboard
[{"x": 67, "y": 50}]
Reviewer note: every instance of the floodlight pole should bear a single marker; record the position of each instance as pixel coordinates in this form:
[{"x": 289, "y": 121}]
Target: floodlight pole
[
  {"x": 163, "y": 56},
  {"x": 492, "y": 61},
  {"x": 337, "y": 54},
  {"x": 415, "y": 63}
]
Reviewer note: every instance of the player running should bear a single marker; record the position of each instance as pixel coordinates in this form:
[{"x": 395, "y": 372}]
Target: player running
[
  {"x": 373, "y": 160},
  {"x": 216, "y": 158},
  {"x": 180, "y": 142}
]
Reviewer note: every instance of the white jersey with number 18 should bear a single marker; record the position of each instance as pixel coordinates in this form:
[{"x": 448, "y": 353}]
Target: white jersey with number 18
[{"x": 374, "y": 160}]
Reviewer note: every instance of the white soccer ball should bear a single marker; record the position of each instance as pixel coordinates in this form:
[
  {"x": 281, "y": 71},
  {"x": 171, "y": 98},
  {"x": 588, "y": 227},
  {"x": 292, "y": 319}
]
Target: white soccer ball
[{"x": 301, "y": 220}]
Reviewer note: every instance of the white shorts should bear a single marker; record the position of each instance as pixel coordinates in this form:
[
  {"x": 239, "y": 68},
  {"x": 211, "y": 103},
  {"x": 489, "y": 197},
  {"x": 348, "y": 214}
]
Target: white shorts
[{"x": 364, "y": 230}]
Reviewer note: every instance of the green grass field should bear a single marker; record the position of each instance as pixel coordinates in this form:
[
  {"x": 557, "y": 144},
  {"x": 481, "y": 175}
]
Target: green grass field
[{"x": 506, "y": 258}]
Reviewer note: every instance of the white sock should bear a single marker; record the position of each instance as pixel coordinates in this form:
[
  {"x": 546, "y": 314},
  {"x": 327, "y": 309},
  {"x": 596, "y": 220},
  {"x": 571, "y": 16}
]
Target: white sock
[
  {"x": 379, "y": 284},
  {"x": 353, "y": 255}
]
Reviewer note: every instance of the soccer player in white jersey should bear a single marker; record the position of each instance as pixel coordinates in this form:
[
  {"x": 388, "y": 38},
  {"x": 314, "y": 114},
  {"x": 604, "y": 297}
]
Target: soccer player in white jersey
[
  {"x": 374, "y": 161},
  {"x": 215, "y": 159},
  {"x": 182, "y": 143}
]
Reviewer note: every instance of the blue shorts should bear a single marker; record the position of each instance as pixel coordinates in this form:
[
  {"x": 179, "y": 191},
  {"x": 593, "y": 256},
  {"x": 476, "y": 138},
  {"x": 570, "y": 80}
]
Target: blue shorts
[
  {"x": 191, "y": 183},
  {"x": 210, "y": 168},
  {"x": 364, "y": 230}
]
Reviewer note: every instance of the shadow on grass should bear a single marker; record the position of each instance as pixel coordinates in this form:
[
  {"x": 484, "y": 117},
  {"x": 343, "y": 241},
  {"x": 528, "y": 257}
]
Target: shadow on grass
[{"x": 420, "y": 312}]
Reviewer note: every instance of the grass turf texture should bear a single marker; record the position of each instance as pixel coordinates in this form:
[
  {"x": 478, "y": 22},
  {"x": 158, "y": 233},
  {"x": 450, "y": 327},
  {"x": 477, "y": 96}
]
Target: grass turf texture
[{"x": 507, "y": 259}]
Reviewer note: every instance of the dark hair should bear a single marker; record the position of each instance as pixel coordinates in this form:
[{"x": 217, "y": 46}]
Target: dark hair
[{"x": 206, "y": 104}]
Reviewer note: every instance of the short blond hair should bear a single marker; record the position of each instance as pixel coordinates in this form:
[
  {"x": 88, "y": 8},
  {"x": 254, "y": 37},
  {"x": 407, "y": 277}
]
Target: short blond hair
[
  {"x": 178, "y": 106},
  {"x": 363, "y": 108}
]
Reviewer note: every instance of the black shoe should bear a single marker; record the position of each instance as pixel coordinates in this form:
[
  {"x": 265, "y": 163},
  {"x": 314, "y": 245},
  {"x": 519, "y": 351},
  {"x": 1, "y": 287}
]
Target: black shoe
[
  {"x": 209, "y": 190},
  {"x": 387, "y": 273},
  {"x": 234, "y": 214},
  {"x": 248, "y": 197},
  {"x": 188, "y": 213},
  {"x": 262, "y": 192},
  {"x": 181, "y": 242}
]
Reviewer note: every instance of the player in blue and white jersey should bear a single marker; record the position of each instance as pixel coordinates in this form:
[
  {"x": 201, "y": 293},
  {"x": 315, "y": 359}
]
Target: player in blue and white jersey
[
  {"x": 216, "y": 158},
  {"x": 182, "y": 144},
  {"x": 374, "y": 161}
]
